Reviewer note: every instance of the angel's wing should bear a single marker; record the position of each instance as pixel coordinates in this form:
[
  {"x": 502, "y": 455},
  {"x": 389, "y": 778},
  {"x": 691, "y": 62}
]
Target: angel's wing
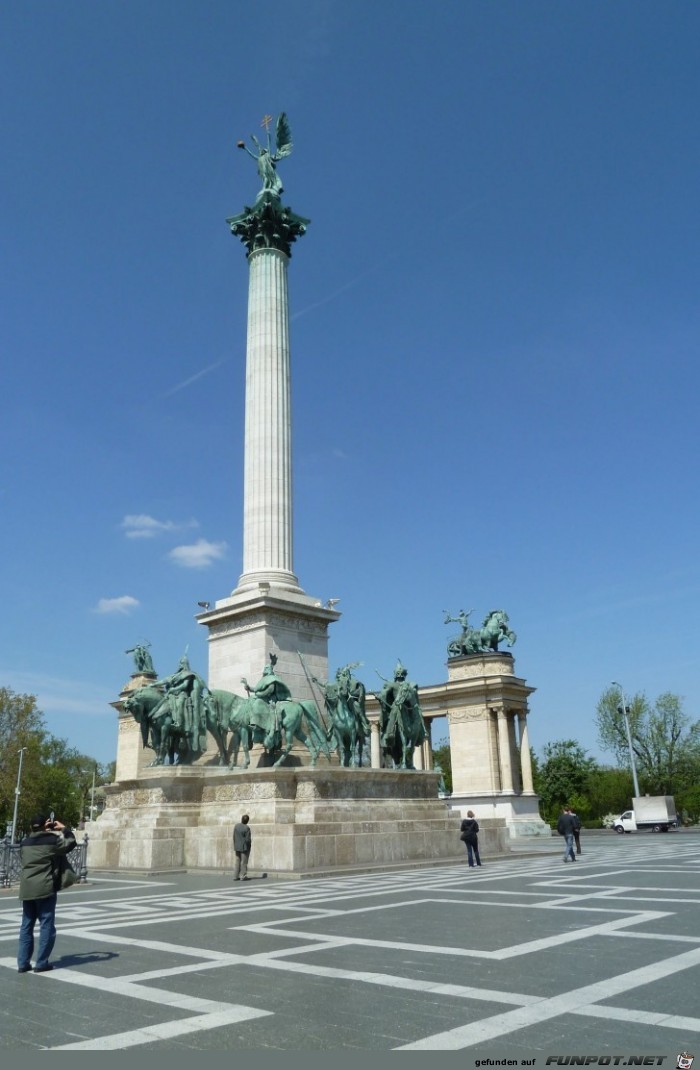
[{"x": 283, "y": 137}]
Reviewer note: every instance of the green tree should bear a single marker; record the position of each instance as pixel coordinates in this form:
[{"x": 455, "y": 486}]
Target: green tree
[
  {"x": 609, "y": 791},
  {"x": 55, "y": 776},
  {"x": 21, "y": 727},
  {"x": 562, "y": 779},
  {"x": 665, "y": 743}
]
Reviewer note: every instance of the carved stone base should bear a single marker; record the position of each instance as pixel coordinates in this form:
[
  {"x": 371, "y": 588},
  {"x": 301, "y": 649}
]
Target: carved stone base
[
  {"x": 303, "y": 820},
  {"x": 250, "y": 625},
  {"x": 519, "y": 812}
]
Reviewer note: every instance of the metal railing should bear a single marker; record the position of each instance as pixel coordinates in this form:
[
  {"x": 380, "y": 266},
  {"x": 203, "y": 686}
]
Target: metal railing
[{"x": 10, "y": 865}]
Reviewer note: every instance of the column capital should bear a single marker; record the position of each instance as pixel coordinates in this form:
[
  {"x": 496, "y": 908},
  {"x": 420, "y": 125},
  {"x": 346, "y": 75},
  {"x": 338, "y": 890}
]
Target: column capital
[{"x": 269, "y": 224}]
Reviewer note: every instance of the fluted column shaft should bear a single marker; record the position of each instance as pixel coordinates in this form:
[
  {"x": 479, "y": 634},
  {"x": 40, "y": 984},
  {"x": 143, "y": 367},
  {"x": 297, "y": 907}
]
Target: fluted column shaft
[
  {"x": 504, "y": 753},
  {"x": 267, "y": 505},
  {"x": 525, "y": 756},
  {"x": 375, "y": 750}
]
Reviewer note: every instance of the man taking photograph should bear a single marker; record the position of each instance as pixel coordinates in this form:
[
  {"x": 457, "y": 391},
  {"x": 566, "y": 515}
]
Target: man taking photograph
[{"x": 40, "y": 878}]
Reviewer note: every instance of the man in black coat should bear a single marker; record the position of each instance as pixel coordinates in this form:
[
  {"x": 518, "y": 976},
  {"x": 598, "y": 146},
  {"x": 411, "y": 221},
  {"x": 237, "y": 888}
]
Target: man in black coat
[
  {"x": 39, "y": 882},
  {"x": 242, "y": 840},
  {"x": 566, "y": 826},
  {"x": 577, "y": 831}
]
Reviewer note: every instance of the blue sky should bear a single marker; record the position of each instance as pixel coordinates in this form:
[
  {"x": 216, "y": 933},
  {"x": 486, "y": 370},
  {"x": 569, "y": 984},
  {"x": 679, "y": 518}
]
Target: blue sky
[{"x": 494, "y": 335}]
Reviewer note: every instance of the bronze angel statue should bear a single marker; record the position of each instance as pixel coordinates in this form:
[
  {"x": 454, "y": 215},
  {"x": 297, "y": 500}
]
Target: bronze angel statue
[{"x": 266, "y": 159}]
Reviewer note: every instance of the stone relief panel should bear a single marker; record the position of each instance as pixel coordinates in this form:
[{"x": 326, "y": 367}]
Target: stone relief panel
[
  {"x": 459, "y": 716},
  {"x": 307, "y": 790},
  {"x": 295, "y": 622},
  {"x": 218, "y": 631}
]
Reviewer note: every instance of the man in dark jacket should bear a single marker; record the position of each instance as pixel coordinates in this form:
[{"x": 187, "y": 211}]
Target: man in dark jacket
[
  {"x": 39, "y": 881},
  {"x": 241, "y": 845},
  {"x": 577, "y": 831},
  {"x": 566, "y": 826}
]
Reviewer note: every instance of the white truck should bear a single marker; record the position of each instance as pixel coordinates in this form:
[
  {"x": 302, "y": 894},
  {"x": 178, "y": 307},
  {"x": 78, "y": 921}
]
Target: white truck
[{"x": 654, "y": 812}]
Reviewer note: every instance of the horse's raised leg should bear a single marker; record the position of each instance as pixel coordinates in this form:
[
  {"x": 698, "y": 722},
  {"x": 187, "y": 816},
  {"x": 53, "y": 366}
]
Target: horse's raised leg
[
  {"x": 219, "y": 735},
  {"x": 285, "y": 752},
  {"x": 246, "y": 741},
  {"x": 164, "y": 743}
]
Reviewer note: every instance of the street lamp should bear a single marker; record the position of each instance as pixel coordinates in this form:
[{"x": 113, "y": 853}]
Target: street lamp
[
  {"x": 92, "y": 796},
  {"x": 17, "y": 794},
  {"x": 629, "y": 739}
]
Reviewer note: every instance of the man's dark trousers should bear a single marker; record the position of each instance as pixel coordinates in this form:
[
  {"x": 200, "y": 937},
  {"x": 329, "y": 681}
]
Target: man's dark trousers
[{"x": 43, "y": 911}]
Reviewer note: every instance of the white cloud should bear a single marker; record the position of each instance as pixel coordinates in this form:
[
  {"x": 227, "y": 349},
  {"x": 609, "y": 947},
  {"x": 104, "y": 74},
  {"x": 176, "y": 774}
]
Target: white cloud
[
  {"x": 124, "y": 604},
  {"x": 200, "y": 554},
  {"x": 142, "y": 526}
]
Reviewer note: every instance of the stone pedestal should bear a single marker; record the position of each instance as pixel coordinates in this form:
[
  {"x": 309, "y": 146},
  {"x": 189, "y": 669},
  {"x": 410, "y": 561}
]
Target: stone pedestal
[
  {"x": 132, "y": 757},
  {"x": 303, "y": 821},
  {"x": 250, "y": 625},
  {"x": 486, "y": 706}
]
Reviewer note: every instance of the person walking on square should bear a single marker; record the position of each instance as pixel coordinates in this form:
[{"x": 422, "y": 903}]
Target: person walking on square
[
  {"x": 241, "y": 844},
  {"x": 577, "y": 831},
  {"x": 469, "y": 833},
  {"x": 565, "y": 827},
  {"x": 39, "y": 852}
]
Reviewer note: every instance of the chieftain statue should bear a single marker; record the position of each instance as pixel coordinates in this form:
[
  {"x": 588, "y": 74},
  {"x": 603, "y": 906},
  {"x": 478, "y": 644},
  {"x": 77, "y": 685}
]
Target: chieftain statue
[
  {"x": 176, "y": 712},
  {"x": 264, "y": 697},
  {"x": 483, "y": 640},
  {"x": 344, "y": 699},
  {"x": 402, "y": 727}
]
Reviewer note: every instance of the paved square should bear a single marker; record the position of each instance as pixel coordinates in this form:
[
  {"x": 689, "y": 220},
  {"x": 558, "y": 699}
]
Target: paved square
[{"x": 526, "y": 958}]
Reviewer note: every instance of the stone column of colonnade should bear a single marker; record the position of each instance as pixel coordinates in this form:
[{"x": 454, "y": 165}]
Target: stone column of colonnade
[
  {"x": 267, "y": 504},
  {"x": 504, "y": 752},
  {"x": 525, "y": 756},
  {"x": 375, "y": 749}
]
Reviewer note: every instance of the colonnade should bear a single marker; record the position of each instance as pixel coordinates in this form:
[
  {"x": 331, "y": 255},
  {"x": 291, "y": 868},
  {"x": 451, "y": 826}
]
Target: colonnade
[
  {"x": 505, "y": 750},
  {"x": 506, "y": 745}
]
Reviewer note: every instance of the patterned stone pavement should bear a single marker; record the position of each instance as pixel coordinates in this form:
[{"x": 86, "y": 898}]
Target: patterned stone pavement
[{"x": 523, "y": 959}]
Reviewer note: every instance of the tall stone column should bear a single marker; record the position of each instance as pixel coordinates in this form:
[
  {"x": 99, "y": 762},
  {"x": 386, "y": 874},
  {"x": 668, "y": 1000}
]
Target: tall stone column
[
  {"x": 525, "y": 756},
  {"x": 267, "y": 500},
  {"x": 268, "y": 612},
  {"x": 504, "y": 753}
]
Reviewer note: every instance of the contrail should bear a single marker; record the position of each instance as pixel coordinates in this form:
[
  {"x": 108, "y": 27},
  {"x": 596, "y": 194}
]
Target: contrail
[
  {"x": 375, "y": 267},
  {"x": 194, "y": 378},
  {"x": 342, "y": 289}
]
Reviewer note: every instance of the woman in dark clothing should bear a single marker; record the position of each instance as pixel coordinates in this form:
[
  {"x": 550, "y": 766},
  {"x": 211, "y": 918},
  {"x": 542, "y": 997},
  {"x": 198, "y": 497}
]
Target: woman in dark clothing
[{"x": 470, "y": 828}]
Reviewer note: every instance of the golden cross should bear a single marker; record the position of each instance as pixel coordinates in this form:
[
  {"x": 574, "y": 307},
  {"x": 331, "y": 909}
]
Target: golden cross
[{"x": 266, "y": 120}]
